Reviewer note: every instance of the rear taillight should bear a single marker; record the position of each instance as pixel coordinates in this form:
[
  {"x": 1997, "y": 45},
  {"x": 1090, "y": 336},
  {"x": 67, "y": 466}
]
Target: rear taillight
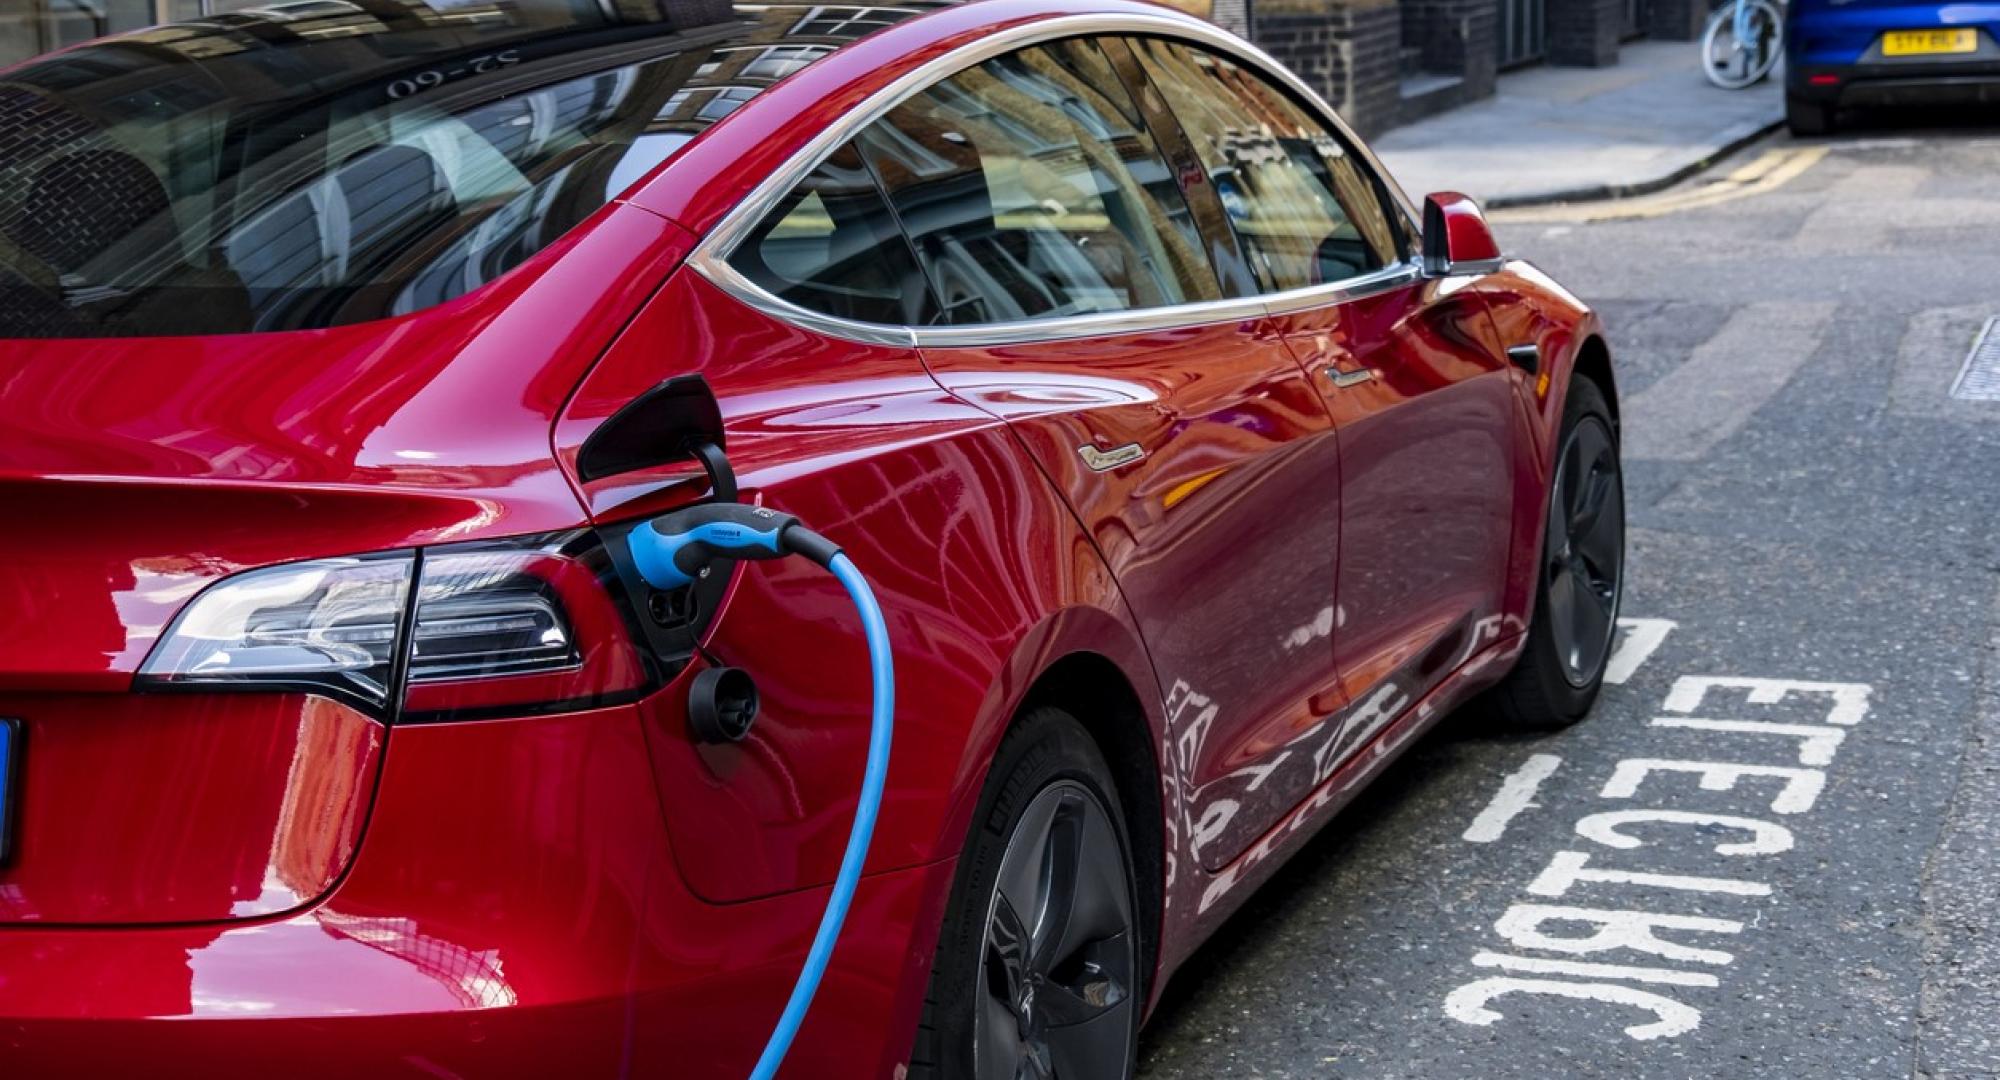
[
  {"x": 500, "y": 628},
  {"x": 330, "y": 625},
  {"x": 508, "y": 628}
]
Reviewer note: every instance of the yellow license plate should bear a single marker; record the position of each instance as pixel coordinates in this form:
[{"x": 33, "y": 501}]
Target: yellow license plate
[{"x": 1928, "y": 42}]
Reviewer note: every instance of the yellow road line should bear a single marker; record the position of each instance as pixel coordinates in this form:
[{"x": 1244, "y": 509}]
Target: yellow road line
[
  {"x": 1769, "y": 171},
  {"x": 1764, "y": 163}
]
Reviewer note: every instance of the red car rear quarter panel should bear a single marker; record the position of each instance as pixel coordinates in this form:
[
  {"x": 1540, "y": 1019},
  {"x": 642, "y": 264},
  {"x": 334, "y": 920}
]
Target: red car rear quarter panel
[
  {"x": 137, "y": 471},
  {"x": 159, "y": 464},
  {"x": 966, "y": 546}
]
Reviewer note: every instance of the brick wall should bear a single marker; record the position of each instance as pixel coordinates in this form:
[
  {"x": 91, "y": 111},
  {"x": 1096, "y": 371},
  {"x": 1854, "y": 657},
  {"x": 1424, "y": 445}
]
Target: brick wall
[
  {"x": 1232, "y": 15},
  {"x": 1457, "y": 38},
  {"x": 1345, "y": 49},
  {"x": 1585, "y": 33},
  {"x": 1676, "y": 20}
]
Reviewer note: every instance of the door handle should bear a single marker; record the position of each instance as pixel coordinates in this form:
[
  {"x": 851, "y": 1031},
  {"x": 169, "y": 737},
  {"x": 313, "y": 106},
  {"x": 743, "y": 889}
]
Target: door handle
[
  {"x": 1344, "y": 379},
  {"x": 1100, "y": 460}
]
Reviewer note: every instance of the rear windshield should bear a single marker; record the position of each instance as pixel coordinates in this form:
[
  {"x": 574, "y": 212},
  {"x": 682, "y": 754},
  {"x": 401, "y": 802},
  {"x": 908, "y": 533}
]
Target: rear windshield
[{"x": 332, "y": 161}]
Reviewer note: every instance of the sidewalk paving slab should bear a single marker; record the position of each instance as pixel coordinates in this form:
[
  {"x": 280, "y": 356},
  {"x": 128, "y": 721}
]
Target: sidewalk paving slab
[{"x": 1556, "y": 134}]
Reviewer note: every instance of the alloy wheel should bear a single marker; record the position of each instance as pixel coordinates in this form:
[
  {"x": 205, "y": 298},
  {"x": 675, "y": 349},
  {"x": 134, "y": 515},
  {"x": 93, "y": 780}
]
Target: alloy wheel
[
  {"x": 1585, "y": 566},
  {"x": 1056, "y": 970}
]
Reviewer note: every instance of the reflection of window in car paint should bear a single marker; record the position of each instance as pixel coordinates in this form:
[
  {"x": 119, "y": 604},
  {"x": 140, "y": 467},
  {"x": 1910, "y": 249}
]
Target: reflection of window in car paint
[
  {"x": 847, "y": 22},
  {"x": 1030, "y": 190},
  {"x": 1303, "y": 207},
  {"x": 778, "y": 61},
  {"x": 725, "y": 101}
]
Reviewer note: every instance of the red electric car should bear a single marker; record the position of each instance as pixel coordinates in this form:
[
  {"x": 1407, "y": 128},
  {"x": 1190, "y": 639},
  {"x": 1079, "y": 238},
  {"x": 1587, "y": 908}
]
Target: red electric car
[{"x": 1197, "y": 469}]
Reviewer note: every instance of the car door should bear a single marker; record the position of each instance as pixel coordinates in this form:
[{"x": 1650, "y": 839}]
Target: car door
[
  {"x": 1406, "y": 365},
  {"x": 1080, "y": 304}
]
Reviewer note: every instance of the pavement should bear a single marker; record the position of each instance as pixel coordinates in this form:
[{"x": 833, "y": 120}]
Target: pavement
[
  {"x": 1555, "y": 134},
  {"x": 1774, "y": 849}
]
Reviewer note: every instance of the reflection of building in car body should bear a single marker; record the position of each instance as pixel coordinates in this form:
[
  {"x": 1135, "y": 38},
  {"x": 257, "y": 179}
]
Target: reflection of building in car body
[{"x": 346, "y": 181}]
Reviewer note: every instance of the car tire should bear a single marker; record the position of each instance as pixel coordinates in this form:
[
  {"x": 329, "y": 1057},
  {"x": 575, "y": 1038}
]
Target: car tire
[
  {"x": 1808, "y": 117},
  {"x": 1004, "y": 982},
  {"x": 1580, "y": 578}
]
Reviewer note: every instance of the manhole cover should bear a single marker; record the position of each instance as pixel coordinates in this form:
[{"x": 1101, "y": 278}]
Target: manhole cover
[{"x": 1979, "y": 379}]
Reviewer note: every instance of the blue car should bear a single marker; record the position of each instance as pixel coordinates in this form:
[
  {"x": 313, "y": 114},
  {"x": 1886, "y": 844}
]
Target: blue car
[{"x": 1845, "y": 53}]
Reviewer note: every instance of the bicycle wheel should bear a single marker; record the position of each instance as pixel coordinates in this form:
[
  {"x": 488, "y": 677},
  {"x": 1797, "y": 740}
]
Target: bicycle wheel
[{"x": 1733, "y": 64}]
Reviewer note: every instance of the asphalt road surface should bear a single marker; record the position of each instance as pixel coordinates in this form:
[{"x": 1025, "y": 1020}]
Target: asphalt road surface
[{"x": 1774, "y": 849}]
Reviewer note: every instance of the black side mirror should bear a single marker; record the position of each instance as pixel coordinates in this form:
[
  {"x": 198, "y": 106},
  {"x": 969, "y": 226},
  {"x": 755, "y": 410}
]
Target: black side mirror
[{"x": 677, "y": 420}]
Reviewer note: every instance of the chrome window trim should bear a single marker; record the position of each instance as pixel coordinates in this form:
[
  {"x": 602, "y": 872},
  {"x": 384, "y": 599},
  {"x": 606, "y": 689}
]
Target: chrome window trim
[
  {"x": 1093, "y": 324},
  {"x": 711, "y": 257},
  {"x": 723, "y": 276},
  {"x": 1354, "y": 288},
  {"x": 1474, "y": 267}
]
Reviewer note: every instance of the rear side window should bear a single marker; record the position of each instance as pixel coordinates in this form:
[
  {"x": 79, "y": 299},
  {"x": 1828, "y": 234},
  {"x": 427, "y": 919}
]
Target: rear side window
[
  {"x": 1305, "y": 210},
  {"x": 832, "y": 246},
  {"x": 1031, "y": 189}
]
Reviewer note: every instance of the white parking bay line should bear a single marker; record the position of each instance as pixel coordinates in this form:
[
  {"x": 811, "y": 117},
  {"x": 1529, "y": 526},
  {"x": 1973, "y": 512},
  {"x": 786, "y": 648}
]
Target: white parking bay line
[
  {"x": 1640, "y": 638},
  {"x": 1516, "y": 794}
]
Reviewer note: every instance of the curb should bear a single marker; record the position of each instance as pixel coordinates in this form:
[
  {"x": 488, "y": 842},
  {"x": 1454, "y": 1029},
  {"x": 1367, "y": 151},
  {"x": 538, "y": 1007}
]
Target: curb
[{"x": 1737, "y": 139}]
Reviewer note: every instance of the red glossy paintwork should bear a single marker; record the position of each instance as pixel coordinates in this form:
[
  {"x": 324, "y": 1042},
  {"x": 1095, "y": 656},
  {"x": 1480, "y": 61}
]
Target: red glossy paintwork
[
  {"x": 1425, "y": 449},
  {"x": 1467, "y": 239},
  {"x": 138, "y": 470},
  {"x": 591, "y": 893},
  {"x": 884, "y": 462},
  {"x": 515, "y": 912},
  {"x": 185, "y": 807},
  {"x": 1237, "y": 619}
]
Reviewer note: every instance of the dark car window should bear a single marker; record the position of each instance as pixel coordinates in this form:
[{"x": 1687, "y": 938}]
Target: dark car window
[
  {"x": 832, "y": 246},
  {"x": 1303, "y": 207},
  {"x": 1031, "y": 189},
  {"x": 309, "y": 165}
]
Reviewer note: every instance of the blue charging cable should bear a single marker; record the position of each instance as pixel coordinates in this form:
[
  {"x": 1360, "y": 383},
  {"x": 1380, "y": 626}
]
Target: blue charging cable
[{"x": 674, "y": 550}]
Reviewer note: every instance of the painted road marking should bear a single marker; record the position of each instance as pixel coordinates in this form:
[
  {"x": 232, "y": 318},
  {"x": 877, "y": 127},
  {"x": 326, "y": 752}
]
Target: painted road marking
[
  {"x": 1576, "y": 943},
  {"x": 1817, "y": 742},
  {"x": 1850, "y": 700},
  {"x": 1571, "y": 867},
  {"x": 1711, "y": 395},
  {"x": 1637, "y": 641},
  {"x": 1516, "y": 794},
  {"x": 1468, "y": 1003},
  {"x": 1767, "y": 838},
  {"x": 1536, "y": 966},
  {"x": 1768, "y": 172}
]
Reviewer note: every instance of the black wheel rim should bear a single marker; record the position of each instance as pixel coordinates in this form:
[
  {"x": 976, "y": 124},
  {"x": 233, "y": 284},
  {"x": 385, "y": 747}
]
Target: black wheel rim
[
  {"x": 1585, "y": 566},
  {"x": 1055, "y": 976}
]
